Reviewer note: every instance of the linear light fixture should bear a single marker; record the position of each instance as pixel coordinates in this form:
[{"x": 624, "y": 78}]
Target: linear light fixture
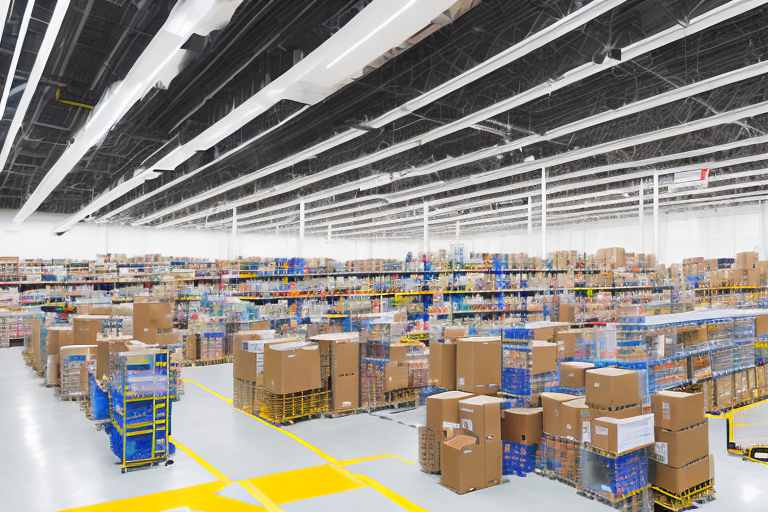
[
  {"x": 51, "y": 33},
  {"x": 15, "y": 58},
  {"x": 651, "y": 43}
]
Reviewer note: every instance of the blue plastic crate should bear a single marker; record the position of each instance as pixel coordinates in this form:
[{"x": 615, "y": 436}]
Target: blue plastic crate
[{"x": 518, "y": 459}]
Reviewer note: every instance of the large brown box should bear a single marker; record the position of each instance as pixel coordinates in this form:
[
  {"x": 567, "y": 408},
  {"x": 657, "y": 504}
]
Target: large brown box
[
  {"x": 454, "y": 332},
  {"x": 462, "y": 463},
  {"x": 544, "y": 357},
  {"x": 86, "y": 329},
  {"x": 395, "y": 376},
  {"x": 443, "y": 410},
  {"x": 573, "y": 375},
  {"x": 610, "y": 388},
  {"x": 521, "y": 426},
  {"x": 567, "y": 312},
  {"x": 442, "y": 365},
  {"x": 574, "y": 419},
  {"x": 566, "y": 343},
  {"x": 291, "y": 367},
  {"x": 481, "y": 415},
  {"x": 398, "y": 352},
  {"x": 622, "y": 435},
  {"x": 149, "y": 318},
  {"x": 674, "y": 410},
  {"x": 244, "y": 362},
  {"x": 684, "y": 446},
  {"x": 104, "y": 350},
  {"x": 343, "y": 353},
  {"x": 59, "y": 336},
  {"x": 551, "y": 403},
  {"x": 761, "y": 325},
  {"x": 627, "y": 412},
  {"x": 478, "y": 365},
  {"x": 679, "y": 480}
]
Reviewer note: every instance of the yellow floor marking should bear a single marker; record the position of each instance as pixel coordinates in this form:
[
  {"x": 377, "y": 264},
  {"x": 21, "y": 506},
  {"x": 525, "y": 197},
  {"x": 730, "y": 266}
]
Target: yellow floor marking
[
  {"x": 260, "y": 496},
  {"x": 348, "y": 475},
  {"x": 393, "y": 496},
  {"x": 349, "y": 462},
  {"x": 201, "y": 498},
  {"x": 208, "y": 466},
  {"x": 208, "y": 390},
  {"x": 306, "y": 483}
]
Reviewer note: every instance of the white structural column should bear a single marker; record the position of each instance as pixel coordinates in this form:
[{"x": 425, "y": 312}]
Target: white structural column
[
  {"x": 233, "y": 253},
  {"x": 544, "y": 213},
  {"x": 329, "y": 232},
  {"x": 656, "y": 216},
  {"x": 458, "y": 230},
  {"x": 426, "y": 227},
  {"x": 530, "y": 224},
  {"x": 642, "y": 217},
  {"x": 301, "y": 229}
]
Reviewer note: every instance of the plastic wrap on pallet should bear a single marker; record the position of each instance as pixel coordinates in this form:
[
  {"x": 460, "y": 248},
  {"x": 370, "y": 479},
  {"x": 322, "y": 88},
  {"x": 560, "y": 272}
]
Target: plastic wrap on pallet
[
  {"x": 518, "y": 459},
  {"x": 560, "y": 458},
  {"x": 614, "y": 477}
]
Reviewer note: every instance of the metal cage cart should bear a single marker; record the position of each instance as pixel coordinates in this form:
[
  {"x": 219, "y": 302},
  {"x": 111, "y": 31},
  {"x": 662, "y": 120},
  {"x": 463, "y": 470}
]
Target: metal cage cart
[{"x": 140, "y": 409}]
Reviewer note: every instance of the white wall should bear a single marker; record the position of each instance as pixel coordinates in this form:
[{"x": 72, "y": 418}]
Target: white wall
[{"x": 716, "y": 233}]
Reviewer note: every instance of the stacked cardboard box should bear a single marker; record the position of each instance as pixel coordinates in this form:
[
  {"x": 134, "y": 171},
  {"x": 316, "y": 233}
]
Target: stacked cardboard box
[
  {"x": 471, "y": 457},
  {"x": 58, "y": 336},
  {"x": 478, "y": 365},
  {"x": 340, "y": 371},
  {"x": 560, "y": 450},
  {"x": 442, "y": 357},
  {"x": 681, "y": 459},
  {"x": 442, "y": 417},
  {"x": 151, "y": 321},
  {"x": 521, "y": 431},
  {"x": 614, "y": 462}
]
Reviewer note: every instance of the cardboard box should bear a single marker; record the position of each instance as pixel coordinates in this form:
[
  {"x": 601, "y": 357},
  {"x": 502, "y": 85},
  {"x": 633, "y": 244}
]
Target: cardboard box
[
  {"x": 454, "y": 332},
  {"x": 674, "y": 410},
  {"x": 442, "y": 365},
  {"x": 59, "y": 336},
  {"x": 627, "y": 412},
  {"x": 567, "y": 312},
  {"x": 622, "y": 435},
  {"x": 551, "y": 403},
  {"x": 443, "y": 410},
  {"x": 574, "y": 420},
  {"x": 345, "y": 376},
  {"x": 149, "y": 318},
  {"x": 244, "y": 366},
  {"x": 522, "y": 426},
  {"x": 678, "y": 449},
  {"x": 573, "y": 375},
  {"x": 610, "y": 388},
  {"x": 679, "y": 480},
  {"x": 291, "y": 367},
  {"x": 544, "y": 357},
  {"x": 566, "y": 343},
  {"x": 482, "y": 416},
  {"x": 398, "y": 352},
  {"x": 86, "y": 329},
  {"x": 462, "y": 463},
  {"x": 104, "y": 350},
  {"x": 478, "y": 365},
  {"x": 761, "y": 325},
  {"x": 395, "y": 376},
  {"x": 53, "y": 370}
]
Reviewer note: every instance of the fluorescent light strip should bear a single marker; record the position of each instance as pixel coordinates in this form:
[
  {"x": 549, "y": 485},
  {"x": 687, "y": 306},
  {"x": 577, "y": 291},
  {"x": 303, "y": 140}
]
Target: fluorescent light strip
[
  {"x": 538, "y": 40},
  {"x": 194, "y": 172},
  {"x": 539, "y": 91},
  {"x": 304, "y": 82},
  {"x": 14, "y": 60}
]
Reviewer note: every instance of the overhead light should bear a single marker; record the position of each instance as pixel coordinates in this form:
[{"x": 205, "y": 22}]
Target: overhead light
[
  {"x": 626, "y": 194},
  {"x": 529, "y": 159},
  {"x": 372, "y": 33},
  {"x": 16, "y": 54}
]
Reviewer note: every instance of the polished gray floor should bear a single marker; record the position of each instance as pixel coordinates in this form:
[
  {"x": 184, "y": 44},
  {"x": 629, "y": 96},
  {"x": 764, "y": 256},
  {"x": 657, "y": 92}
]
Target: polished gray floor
[{"x": 53, "y": 458}]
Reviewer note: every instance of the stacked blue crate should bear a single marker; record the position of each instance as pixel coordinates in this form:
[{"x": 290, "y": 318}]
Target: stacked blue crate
[
  {"x": 614, "y": 477},
  {"x": 518, "y": 459}
]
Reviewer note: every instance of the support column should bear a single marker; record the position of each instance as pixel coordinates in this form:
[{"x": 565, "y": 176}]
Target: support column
[
  {"x": 642, "y": 217},
  {"x": 233, "y": 253},
  {"x": 656, "y": 216},
  {"x": 458, "y": 230},
  {"x": 530, "y": 225},
  {"x": 329, "y": 232},
  {"x": 426, "y": 228},
  {"x": 544, "y": 213},
  {"x": 301, "y": 229}
]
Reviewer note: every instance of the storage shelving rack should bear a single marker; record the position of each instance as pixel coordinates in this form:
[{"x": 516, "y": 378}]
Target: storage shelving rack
[{"x": 140, "y": 409}]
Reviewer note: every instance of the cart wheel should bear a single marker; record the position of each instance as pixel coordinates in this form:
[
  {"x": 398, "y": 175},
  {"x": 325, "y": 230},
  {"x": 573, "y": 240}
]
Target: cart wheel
[
  {"x": 122, "y": 471},
  {"x": 169, "y": 462}
]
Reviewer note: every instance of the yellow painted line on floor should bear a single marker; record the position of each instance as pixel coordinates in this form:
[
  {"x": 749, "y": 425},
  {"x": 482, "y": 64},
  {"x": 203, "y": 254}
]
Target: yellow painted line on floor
[
  {"x": 306, "y": 483},
  {"x": 208, "y": 390},
  {"x": 349, "y": 462},
  {"x": 391, "y": 495},
  {"x": 207, "y": 465},
  {"x": 202, "y": 498},
  {"x": 348, "y": 475},
  {"x": 260, "y": 496}
]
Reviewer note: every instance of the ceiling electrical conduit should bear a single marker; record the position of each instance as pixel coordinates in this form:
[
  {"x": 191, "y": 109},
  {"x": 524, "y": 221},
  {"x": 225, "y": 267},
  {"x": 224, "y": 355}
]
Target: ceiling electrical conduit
[
  {"x": 309, "y": 81},
  {"x": 672, "y": 34},
  {"x": 537, "y": 40}
]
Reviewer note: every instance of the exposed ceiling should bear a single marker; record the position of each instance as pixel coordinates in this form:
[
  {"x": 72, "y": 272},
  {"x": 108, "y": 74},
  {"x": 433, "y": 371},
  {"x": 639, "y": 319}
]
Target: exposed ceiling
[{"x": 362, "y": 111}]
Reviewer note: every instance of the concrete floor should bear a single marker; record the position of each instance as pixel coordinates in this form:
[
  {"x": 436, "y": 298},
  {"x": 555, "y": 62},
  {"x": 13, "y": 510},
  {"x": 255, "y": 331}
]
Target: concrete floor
[{"x": 52, "y": 458}]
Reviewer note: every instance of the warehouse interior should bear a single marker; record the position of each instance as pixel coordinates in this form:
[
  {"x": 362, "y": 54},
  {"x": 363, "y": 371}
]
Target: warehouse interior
[{"x": 394, "y": 254}]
